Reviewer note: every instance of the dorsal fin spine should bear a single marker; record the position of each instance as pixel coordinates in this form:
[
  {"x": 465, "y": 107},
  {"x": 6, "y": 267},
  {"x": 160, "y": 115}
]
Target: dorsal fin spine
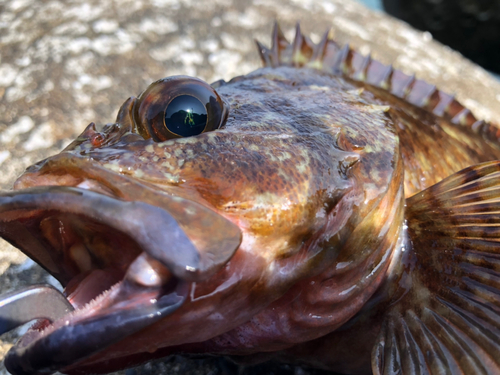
[
  {"x": 319, "y": 49},
  {"x": 340, "y": 63},
  {"x": 361, "y": 72},
  {"x": 264, "y": 54},
  {"x": 461, "y": 117},
  {"x": 328, "y": 56}
]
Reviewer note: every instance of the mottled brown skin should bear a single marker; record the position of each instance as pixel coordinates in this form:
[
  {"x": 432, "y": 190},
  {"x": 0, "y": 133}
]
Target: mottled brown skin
[
  {"x": 292, "y": 182},
  {"x": 314, "y": 168}
]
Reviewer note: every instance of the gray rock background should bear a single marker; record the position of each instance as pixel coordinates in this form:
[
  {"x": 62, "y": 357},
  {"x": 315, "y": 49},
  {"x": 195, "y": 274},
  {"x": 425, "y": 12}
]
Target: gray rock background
[{"x": 64, "y": 64}]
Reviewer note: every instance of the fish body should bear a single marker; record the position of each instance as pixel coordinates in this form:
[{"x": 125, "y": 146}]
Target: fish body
[{"x": 298, "y": 214}]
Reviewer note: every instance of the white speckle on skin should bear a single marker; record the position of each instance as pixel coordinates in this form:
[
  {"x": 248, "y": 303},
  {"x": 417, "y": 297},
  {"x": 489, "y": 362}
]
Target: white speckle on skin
[
  {"x": 320, "y": 88},
  {"x": 374, "y": 108},
  {"x": 284, "y": 156},
  {"x": 138, "y": 173},
  {"x": 166, "y": 164},
  {"x": 187, "y": 140},
  {"x": 171, "y": 178},
  {"x": 113, "y": 167},
  {"x": 190, "y": 211},
  {"x": 23, "y": 125},
  {"x": 150, "y": 148}
]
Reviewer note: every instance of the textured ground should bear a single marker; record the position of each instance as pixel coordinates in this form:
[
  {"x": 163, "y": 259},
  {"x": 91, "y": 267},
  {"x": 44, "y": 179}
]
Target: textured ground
[{"x": 64, "y": 64}]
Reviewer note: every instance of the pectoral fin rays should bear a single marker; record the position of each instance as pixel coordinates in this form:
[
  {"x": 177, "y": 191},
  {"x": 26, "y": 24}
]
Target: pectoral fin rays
[{"x": 445, "y": 317}]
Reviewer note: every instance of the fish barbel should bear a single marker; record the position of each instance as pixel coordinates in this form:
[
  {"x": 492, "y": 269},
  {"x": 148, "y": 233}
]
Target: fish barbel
[{"x": 325, "y": 210}]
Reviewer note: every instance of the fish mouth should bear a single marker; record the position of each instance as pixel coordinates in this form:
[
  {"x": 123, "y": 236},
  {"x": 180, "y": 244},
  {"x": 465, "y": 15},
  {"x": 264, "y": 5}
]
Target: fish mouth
[{"x": 125, "y": 264}]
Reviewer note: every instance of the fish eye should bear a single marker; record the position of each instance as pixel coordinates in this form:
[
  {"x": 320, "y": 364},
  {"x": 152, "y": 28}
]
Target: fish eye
[{"x": 177, "y": 107}]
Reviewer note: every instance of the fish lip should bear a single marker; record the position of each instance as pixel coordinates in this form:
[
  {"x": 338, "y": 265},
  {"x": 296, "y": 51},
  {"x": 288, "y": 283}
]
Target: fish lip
[
  {"x": 65, "y": 343},
  {"x": 151, "y": 227},
  {"x": 27, "y": 206}
]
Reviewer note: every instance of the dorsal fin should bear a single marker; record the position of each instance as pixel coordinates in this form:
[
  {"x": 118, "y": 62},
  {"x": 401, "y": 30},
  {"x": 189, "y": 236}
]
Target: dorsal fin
[{"x": 329, "y": 56}]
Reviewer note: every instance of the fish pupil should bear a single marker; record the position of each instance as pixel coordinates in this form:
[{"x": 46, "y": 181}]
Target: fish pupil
[{"x": 185, "y": 116}]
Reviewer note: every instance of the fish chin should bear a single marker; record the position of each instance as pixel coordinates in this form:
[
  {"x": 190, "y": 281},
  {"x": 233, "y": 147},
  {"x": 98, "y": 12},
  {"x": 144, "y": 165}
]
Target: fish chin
[{"x": 125, "y": 265}]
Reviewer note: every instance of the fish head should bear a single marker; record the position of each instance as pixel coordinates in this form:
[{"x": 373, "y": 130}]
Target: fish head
[{"x": 198, "y": 207}]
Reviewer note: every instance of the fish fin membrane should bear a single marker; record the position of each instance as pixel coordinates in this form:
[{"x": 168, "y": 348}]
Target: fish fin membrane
[
  {"x": 333, "y": 58},
  {"x": 444, "y": 317}
]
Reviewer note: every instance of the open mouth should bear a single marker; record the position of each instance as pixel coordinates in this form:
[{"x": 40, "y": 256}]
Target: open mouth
[{"x": 124, "y": 264}]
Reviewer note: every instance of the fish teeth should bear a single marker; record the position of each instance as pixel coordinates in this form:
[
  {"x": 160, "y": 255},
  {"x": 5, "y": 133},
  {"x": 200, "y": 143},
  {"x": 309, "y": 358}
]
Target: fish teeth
[{"x": 88, "y": 306}]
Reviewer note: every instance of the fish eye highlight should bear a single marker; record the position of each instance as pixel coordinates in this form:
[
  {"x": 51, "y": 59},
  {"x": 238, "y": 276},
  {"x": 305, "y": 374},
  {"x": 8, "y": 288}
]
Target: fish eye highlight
[{"x": 177, "y": 107}]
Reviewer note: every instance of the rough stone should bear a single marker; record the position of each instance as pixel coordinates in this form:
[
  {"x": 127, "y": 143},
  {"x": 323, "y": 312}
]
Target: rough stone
[{"x": 64, "y": 64}]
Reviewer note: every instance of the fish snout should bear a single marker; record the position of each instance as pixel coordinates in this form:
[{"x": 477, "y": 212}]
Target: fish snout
[{"x": 124, "y": 264}]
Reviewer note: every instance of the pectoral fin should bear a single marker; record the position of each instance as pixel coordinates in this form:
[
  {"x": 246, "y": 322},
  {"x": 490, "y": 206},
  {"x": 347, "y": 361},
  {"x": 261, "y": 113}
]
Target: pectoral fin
[{"x": 444, "y": 317}]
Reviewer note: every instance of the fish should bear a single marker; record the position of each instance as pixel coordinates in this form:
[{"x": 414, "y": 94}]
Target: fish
[{"x": 325, "y": 210}]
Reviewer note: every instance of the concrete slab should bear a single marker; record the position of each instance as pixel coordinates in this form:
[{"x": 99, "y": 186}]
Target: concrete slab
[{"x": 64, "y": 64}]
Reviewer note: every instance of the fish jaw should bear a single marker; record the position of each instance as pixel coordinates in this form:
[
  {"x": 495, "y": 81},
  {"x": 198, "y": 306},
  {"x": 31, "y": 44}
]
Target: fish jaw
[
  {"x": 295, "y": 195},
  {"x": 116, "y": 314},
  {"x": 118, "y": 284},
  {"x": 250, "y": 280}
]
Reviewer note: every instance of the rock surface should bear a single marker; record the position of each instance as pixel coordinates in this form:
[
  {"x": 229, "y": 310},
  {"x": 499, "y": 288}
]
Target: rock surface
[{"x": 64, "y": 64}]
